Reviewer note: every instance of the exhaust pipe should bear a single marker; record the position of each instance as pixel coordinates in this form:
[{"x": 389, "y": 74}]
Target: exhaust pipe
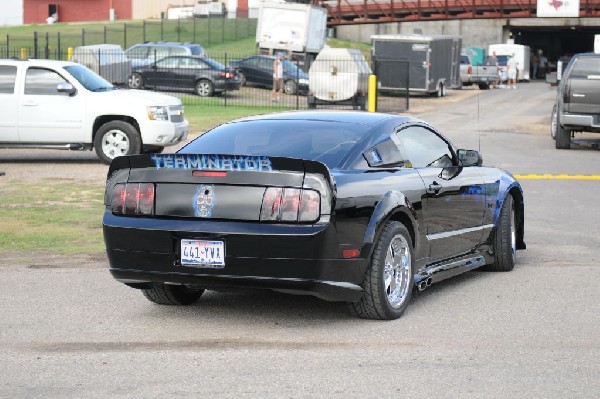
[{"x": 424, "y": 284}]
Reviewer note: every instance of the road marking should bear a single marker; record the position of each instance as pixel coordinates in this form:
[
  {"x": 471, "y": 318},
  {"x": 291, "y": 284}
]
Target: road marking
[{"x": 557, "y": 177}]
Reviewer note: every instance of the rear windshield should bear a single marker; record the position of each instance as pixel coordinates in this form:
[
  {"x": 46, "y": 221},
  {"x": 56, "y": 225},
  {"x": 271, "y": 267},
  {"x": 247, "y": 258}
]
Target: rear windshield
[
  {"x": 327, "y": 142},
  {"x": 197, "y": 50},
  {"x": 586, "y": 67},
  {"x": 215, "y": 64}
]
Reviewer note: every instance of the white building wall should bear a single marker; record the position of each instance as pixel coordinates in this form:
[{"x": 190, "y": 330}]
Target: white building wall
[
  {"x": 11, "y": 12},
  {"x": 142, "y": 9}
]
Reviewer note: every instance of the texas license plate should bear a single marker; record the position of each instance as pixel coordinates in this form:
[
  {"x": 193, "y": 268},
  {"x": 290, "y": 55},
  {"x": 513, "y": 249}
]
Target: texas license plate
[{"x": 203, "y": 253}]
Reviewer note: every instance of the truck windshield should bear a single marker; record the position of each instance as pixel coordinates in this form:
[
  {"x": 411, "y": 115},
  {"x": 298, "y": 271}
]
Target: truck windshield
[{"x": 89, "y": 79}]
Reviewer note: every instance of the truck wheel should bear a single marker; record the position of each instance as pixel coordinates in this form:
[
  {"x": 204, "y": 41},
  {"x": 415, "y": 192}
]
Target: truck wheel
[
  {"x": 484, "y": 86},
  {"x": 116, "y": 138},
  {"x": 290, "y": 87},
  {"x": 505, "y": 238},
  {"x": 204, "y": 88},
  {"x": 388, "y": 281},
  {"x": 554, "y": 122},
  {"x": 563, "y": 137},
  {"x": 166, "y": 294},
  {"x": 136, "y": 81}
]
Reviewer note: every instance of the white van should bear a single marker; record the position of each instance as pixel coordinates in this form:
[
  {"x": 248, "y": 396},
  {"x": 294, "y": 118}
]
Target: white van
[{"x": 520, "y": 52}]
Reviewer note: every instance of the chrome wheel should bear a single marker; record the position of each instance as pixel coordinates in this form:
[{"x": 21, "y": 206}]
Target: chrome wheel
[
  {"x": 513, "y": 232},
  {"x": 397, "y": 272},
  {"x": 204, "y": 88},
  {"x": 115, "y": 143},
  {"x": 135, "y": 81}
]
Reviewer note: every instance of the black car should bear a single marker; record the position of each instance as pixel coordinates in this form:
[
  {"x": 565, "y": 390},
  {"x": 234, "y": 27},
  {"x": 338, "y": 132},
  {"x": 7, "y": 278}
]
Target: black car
[
  {"x": 346, "y": 206},
  {"x": 202, "y": 74},
  {"x": 258, "y": 70}
]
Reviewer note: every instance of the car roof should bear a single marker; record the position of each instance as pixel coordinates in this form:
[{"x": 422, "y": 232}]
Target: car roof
[
  {"x": 38, "y": 62},
  {"x": 169, "y": 44},
  {"x": 356, "y": 117}
]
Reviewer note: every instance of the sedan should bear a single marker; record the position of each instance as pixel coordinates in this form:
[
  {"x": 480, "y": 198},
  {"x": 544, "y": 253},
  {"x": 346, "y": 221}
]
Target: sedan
[
  {"x": 203, "y": 75},
  {"x": 345, "y": 206},
  {"x": 258, "y": 70}
]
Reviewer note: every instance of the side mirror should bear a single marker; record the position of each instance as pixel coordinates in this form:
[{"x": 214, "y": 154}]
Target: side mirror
[
  {"x": 67, "y": 88},
  {"x": 470, "y": 158}
]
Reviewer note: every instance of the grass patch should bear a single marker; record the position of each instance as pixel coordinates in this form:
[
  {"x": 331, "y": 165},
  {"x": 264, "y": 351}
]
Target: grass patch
[{"x": 61, "y": 217}]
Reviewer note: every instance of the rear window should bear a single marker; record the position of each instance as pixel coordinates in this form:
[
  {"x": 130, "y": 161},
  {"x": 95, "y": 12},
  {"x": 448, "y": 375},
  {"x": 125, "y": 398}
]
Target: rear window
[
  {"x": 327, "y": 142},
  {"x": 586, "y": 68}
]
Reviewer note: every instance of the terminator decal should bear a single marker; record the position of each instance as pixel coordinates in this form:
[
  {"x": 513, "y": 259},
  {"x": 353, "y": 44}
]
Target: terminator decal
[{"x": 212, "y": 162}]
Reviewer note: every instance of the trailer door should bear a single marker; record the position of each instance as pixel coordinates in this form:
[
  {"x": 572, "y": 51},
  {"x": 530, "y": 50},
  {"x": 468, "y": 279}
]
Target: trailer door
[{"x": 420, "y": 65}]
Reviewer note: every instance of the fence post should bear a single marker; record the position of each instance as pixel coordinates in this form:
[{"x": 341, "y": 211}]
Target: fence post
[
  {"x": 7, "y": 46},
  {"x": 235, "y": 21},
  {"x": 223, "y": 29},
  {"x": 208, "y": 39},
  {"x": 23, "y": 53},
  {"x": 194, "y": 21},
  {"x": 58, "y": 55},
  {"x": 104, "y": 33},
  {"x": 69, "y": 53},
  {"x": 162, "y": 23},
  {"x": 47, "y": 47},
  {"x": 372, "y": 94},
  {"x": 144, "y": 30},
  {"x": 179, "y": 29},
  {"x": 35, "y": 44},
  {"x": 124, "y": 35},
  {"x": 83, "y": 37}
]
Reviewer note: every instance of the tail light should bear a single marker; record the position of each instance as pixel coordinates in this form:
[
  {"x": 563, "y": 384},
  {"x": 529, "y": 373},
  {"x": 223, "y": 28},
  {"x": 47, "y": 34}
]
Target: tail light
[
  {"x": 227, "y": 75},
  {"x": 133, "y": 199},
  {"x": 290, "y": 205},
  {"x": 469, "y": 70}
]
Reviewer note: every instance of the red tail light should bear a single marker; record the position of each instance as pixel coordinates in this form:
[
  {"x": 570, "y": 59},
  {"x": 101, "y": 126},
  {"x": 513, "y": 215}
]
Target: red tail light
[
  {"x": 133, "y": 199},
  {"x": 227, "y": 75},
  {"x": 290, "y": 205},
  {"x": 469, "y": 70}
]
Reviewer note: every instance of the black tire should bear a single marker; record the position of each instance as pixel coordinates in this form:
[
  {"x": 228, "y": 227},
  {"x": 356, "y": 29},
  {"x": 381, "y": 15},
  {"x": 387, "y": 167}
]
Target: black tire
[
  {"x": 484, "y": 86},
  {"x": 176, "y": 295},
  {"x": 116, "y": 138},
  {"x": 136, "y": 81},
  {"x": 242, "y": 78},
  {"x": 205, "y": 88},
  {"x": 290, "y": 87},
  {"x": 505, "y": 238},
  {"x": 383, "y": 299},
  {"x": 554, "y": 122},
  {"x": 563, "y": 136}
]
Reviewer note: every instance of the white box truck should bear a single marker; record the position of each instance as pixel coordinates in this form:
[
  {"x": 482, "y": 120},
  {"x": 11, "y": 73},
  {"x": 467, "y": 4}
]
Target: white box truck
[
  {"x": 297, "y": 30},
  {"x": 520, "y": 52}
]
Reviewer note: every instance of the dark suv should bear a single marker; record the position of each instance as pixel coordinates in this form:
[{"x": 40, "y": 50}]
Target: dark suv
[{"x": 577, "y": 107}]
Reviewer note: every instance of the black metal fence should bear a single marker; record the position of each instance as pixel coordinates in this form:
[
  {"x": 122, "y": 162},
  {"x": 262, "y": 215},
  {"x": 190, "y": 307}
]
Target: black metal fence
[
  {"x": 247, "y": 80},
  {"x": 52, "y": 44}
]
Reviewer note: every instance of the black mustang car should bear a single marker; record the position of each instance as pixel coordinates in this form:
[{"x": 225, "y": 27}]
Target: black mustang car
[
  {"x": 346, "y": 206},
  {"x": 203, "y": 75}
]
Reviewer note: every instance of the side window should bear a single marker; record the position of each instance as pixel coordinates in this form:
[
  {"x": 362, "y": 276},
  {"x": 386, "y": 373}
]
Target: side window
[
  {"x": 266, "y": 63},
  {"x": 168, "y": 63},
  {"x": 8, "y": 75},
  {"x": 424, "y": 148},
  {"x": 158, "y": 52},
  {"x": 41, "y": 81},
  {"x": 178, "y": 51},
  {"x": 138, "y": 53}
]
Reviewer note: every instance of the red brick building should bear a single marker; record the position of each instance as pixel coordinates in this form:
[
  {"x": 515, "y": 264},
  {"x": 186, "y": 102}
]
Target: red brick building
[{"x": 37, "y": 11}]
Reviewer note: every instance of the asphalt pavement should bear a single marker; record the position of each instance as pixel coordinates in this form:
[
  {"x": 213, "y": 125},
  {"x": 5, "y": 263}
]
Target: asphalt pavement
[{"x": 71, "y": 331}]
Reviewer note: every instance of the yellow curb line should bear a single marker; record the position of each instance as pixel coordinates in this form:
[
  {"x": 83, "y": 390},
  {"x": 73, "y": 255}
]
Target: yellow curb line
[{"x": 557, "y": 177}]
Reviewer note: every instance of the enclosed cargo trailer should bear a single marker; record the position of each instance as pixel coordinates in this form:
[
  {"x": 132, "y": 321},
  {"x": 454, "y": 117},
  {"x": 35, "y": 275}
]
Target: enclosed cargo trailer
[{"x": 433, "y": 62}]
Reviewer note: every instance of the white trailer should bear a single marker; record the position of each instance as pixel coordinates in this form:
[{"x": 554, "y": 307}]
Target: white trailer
[
  {"x": 298, "y": 30},
  {"x": 521, "y": 53},
  {"x": 339, "y": 76}
]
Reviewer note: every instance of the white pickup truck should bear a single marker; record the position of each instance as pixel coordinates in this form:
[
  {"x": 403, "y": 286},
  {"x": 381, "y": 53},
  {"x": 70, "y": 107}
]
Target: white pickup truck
[
  {"x": 64, "y": 105},
  {"x": 481, "y": 75}
]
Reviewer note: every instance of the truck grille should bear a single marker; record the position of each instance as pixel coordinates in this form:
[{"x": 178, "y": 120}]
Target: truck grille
[{"x": 176, "y": 113}]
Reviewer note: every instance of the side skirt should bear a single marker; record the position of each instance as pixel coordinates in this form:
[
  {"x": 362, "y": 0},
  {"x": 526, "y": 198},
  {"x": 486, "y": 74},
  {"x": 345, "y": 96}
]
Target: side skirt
[{"x": 442, "y": 270}]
